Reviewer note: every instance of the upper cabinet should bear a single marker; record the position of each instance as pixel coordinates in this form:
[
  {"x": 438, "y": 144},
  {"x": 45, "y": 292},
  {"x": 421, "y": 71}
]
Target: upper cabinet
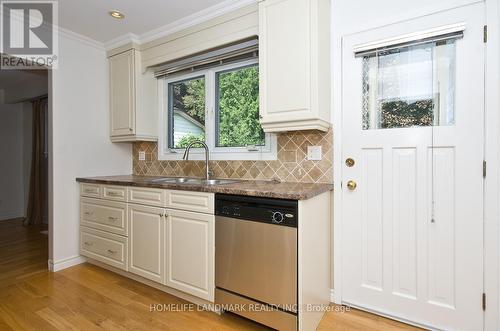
[
  {"x": 294, "y": 60},
  {"x": 133, "y": 111}
]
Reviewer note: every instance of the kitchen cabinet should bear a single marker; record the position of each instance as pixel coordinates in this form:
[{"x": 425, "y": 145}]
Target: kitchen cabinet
[
  {"x": 163, "y": 236},
  {"x": 294, "y": 65},
  {"x": 146, "y": 241},
  {"x": 133, "y": 111},
  {"x": 190, "y": 251},
  {"x": 105, "y": 247},
  {"x": 103, "y": 215}
]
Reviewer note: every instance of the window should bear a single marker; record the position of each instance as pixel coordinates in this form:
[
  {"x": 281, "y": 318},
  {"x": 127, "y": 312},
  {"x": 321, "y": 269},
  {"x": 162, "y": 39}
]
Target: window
[
  {"x": 237, "y": 108},
  {"x": 220, "y": 106},
  {"x": 186, "y": 117},
  {"x": 409, "y": 86}
]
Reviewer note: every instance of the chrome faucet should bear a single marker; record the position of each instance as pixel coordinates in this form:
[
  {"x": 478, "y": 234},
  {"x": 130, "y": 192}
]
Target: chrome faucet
[{"x": 186, "y": 155}]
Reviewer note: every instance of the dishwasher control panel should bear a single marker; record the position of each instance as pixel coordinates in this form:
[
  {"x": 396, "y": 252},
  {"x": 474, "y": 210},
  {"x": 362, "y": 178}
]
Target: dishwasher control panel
[{"x": 265, "y": 210}]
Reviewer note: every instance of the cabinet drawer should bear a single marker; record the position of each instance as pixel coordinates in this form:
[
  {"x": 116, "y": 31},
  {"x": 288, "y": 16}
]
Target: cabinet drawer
[
  {"x": 90, "y": 190},
  {"x": 105, "y": 247},
  {"x": 147, "y": 196},
  {"x": 192, "y": 201},
  {"x": 118, "y": 193},
  {"x": 104, "y": 215}
]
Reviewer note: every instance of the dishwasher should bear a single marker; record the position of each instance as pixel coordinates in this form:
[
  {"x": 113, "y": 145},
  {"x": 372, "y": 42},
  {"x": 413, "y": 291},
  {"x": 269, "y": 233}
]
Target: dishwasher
[{"x": 256, "y": 259}]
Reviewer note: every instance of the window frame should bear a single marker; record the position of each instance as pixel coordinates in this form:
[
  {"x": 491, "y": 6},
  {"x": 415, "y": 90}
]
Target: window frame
[{"x": 265, "y": 152}]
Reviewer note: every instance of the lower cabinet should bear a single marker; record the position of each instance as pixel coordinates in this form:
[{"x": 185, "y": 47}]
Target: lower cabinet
[
  {"x": 190, "y": 239},
  {"x": 172, "y": 246},
  {"x": 146, "y": 242},
  {"x": 105, "y": 247}
]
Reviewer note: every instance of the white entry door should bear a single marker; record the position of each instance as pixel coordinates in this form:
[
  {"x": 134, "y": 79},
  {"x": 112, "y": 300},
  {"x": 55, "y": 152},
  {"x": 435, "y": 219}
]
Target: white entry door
[{"x": 412, "y": 176}]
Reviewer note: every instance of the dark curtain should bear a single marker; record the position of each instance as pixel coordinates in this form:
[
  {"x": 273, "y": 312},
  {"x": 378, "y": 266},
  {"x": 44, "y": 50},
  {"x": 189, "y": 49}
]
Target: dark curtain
[{"x": 37, "y": 209}]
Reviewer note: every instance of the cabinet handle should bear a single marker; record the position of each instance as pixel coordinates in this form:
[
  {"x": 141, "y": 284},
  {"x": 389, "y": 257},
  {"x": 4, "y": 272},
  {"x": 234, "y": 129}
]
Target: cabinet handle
[
  {"x": 87, "y": 243},
  {"x": 111, "y": 251},
  {"x": 113, "y": 219},
  {"x": 88, "y": 213}
]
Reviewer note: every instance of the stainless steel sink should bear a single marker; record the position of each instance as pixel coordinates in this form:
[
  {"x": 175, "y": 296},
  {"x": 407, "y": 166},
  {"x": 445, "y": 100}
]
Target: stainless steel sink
[
  {"x": 218, "y": 181},
  {"x": 187, "y": 180}
]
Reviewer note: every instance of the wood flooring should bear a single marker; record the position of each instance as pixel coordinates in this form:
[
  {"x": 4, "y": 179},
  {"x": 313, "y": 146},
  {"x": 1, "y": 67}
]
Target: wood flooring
[{"x": 86, "y": 297}]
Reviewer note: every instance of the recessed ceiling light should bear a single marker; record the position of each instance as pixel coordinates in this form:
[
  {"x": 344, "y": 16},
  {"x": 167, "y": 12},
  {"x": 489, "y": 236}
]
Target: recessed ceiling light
[{"x": 116, "y": 14}]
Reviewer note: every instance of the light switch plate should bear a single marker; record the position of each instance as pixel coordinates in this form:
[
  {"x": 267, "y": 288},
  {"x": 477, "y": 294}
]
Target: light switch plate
[
  {"x": 142, "y": 156},
  {"x": 314, "y": 153}
]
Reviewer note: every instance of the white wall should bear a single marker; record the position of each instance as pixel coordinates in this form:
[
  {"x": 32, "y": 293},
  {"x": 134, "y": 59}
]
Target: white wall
[
  {"x": 80, "y": 139},
  {"x": 11, "y": 162}
]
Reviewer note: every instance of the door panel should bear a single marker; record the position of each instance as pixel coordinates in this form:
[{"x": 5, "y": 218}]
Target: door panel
[
  {"x": 146, "y": 241},
  {"x": 190, "y": 253},
  {"x": 122, "y": 96},
  {"x": 404, "y": 206},
  {"x": 412, "y": 227}
]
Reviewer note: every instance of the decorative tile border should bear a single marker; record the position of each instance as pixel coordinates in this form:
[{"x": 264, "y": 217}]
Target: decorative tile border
[{"x": 291, "y": 166}]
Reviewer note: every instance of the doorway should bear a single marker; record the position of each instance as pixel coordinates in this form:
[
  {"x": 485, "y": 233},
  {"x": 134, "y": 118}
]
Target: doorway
[
  {"x": 24, "y": 171},
  {"x": 412, "y": 177}
]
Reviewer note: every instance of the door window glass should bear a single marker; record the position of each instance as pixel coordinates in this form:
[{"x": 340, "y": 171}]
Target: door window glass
[{"x": 410, "y": 86}]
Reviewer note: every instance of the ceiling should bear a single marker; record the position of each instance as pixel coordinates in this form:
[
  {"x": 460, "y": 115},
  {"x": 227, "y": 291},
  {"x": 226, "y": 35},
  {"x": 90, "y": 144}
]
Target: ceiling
[
  {"x": 91, "y": 19},
  {"x": 15, "y": 78}
]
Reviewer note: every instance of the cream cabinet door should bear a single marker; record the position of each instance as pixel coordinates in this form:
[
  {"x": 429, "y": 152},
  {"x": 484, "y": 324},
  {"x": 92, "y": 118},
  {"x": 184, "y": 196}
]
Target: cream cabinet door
[
  {"x": 294, "y": 65},
  {"x": 285, "y": 57},
  {"x": 122, "y": 93},
  {"x": 190, "y": 251},
  {"x": 146, "y": 242}
]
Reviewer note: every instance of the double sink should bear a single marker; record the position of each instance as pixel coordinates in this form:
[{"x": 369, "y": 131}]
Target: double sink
[{"x": 193, "y": 181}]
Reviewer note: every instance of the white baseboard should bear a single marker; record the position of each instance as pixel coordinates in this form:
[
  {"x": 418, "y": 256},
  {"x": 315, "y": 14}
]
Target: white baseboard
[
  {"x": 11, "y": 215},
  {"x": 66, "y": 263},
  {"x": 332, "y": 295}
]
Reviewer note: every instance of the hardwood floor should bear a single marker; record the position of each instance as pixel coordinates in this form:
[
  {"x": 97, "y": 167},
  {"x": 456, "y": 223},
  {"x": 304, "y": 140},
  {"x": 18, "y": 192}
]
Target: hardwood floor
[{"x": 86, "y": 297}]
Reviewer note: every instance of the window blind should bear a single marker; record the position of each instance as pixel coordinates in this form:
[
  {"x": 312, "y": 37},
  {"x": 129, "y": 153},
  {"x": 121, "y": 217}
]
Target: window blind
[
  {"x": 227, "y": 54},
  {"x": 442, "y": 34}
]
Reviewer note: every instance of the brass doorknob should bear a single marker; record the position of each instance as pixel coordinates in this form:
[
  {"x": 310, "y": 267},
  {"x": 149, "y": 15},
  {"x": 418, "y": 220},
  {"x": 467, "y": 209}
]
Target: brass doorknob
[
  {"x": 349, "y": 162},
  {"x": 351, "y": 185}
]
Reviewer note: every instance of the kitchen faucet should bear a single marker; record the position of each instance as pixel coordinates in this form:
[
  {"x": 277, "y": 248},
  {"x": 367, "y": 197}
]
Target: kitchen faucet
[{"x": 186, "y": 155}]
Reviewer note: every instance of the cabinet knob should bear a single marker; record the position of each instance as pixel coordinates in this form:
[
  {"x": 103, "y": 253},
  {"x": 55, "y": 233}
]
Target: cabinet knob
[{"x": 111, "y": 251}]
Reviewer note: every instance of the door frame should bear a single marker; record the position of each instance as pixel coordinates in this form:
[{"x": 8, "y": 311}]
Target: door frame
[{"x": 491, "y": 196}]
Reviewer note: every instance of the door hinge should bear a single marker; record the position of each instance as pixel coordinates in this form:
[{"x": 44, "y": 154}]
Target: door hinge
[
  {"x": 484, "y": 301},
  {"x": 485, "y": 33},
  {"x": 484, "y": 169}
]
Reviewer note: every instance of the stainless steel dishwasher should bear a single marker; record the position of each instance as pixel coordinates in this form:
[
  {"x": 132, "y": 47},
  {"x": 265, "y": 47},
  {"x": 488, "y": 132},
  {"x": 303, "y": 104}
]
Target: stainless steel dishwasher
[{"x": 256, "y": 258}]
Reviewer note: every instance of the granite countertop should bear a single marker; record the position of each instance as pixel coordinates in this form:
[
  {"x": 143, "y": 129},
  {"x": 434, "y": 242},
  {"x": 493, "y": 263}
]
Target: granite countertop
[{"x": 257, "y": 188}]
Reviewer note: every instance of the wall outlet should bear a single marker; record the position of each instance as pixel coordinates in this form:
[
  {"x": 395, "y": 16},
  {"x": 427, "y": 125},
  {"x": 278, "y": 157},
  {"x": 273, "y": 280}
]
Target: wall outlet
[
  {"x": 314, "y": 153},
  {"x": 142, "y": 156}
]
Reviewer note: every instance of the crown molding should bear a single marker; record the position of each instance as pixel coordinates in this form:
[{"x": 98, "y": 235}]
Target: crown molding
[
  {"x": 80, "y": 38},
  {"x": 122, "y": 40},
  {"x": 201, "y": 16}
]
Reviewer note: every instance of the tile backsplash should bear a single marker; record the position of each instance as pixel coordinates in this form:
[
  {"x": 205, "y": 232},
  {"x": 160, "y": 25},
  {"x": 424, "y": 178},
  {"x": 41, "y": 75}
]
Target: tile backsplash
[{"x": 291, "y": 166}]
